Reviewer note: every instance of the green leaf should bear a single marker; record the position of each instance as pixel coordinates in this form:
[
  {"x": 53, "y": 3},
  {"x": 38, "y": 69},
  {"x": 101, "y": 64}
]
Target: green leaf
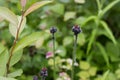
[
  {"x": 27, "y": 40},
  {"x": 3, "y": 61},
  {"x": 13, "y": 29},
  {"x": 105, "y": 75},
  {"x": 84, "y": 65},
  {"x": 5, "y": 78},
  {"x": 109, "y": 7},
  {"x": 67, "y": 41},
  {"x": 5, "y": 13},
  {"x": 16, "y": 73},
  {"x": 61, "y": 51},
  {"x": 104, "y": 53},
  {"x": 88, "y": 19},
  {"x": 69, "y": 15},
  {"x": 36, "y": 6},
  {"x": 58, "y": 8},
  {"x": 110, "y": 35},
  {"x": 84, "y": 75},
  {"x": 2, "y": 48},
  {"x": 80, "y": 1},
  {"x": 92, "y": 71},
  {"x": 16, "y": 57},
  {"x": 91, "y": 40}
]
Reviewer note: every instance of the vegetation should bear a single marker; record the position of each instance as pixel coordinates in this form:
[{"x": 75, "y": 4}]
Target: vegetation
[{"x": 30, "y": 51}]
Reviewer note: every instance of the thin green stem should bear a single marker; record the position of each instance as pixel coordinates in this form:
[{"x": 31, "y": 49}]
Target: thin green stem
[
  {"x": 54, "y": 73},
  {"x": 74, "y": 56}
]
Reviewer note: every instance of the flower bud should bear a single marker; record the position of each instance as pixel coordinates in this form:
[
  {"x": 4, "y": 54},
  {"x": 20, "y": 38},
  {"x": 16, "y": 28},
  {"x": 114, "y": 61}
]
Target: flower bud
[
  {"x": 44, "y": 72},
  {"x": 53, "y": 30},
  {"x": 76, "y": 29}
]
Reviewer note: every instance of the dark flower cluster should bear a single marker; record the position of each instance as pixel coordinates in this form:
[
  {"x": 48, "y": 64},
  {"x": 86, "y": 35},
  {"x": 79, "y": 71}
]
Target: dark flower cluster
[
  {"x": 76, "y": 29},
  {"x": 53, "y": 30}
]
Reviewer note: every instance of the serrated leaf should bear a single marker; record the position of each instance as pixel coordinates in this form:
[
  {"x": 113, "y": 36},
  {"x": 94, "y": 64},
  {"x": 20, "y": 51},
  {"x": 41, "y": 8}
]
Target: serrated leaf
[
  {"x": 3, "y": 61},
  {"x": 110, "y": 35},
  {"x": 69, "y": 15},
  {"x": 13, "y": 28},
  {"x": 103, "y": 52},
  {"x": 5, "y": 78},
  {"x": 16, "y": 57},
  {"x": 91, "y": 40},
  {"x": 16, "y": 73},
  {"x": 36, "y": 6},
  {"x": 27, "y": 40},
  {"x": 5, "y": 13}
]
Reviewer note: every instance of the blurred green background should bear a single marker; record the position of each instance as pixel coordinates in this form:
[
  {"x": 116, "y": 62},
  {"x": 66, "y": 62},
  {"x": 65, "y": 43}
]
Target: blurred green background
[{"x": 98, "y": 52}]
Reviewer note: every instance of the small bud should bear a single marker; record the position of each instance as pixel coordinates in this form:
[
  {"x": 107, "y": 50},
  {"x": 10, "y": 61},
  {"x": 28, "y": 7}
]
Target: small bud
[
  {"x": 35, "y": 77},
  {"x": 53, "y": 30},
  {"x": 23, "y": 3},
  {"x": 44, "y": 72},
  {"x": 76, "y": 29}
]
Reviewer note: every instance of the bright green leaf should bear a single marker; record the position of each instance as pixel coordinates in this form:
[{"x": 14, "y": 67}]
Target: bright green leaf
[
  {"x": 16, "y": 57},
  {"x": 91, "y": 40},
  {"x": 3, "y": 61},
  {"x": 13, "y": 29},
  {"x": 81, "y": 39},
  {"x": 16, "y": 73},
  {"x": 69, "y": 15},
  {"x": 2, "y": 48},
  {"x": 27, "y": 40},
  {"x": 67, "y": 41},
  {"x": 83, "y": 75},
  {"x": 105, "y": 75},
  {"x": 84, "y": 65},
  {"x": 5, "y": 78},
  {"x": 80, "y": 1},
  {"x": 110, "y": 35},
  {"x": 61, "y": 51},
  {"x": 58, "y": 8},
  {"x": 92, "y": 71},
  {"x": 36, "y": 6},
  {"x": 104, "y": 54},
  {"x": 5, "y": 13}
]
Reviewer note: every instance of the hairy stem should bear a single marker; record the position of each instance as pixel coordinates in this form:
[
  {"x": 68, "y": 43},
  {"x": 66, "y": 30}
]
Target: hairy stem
[
  {"x": 14, "y": 44},
  {"x": 74, "y": 57}
]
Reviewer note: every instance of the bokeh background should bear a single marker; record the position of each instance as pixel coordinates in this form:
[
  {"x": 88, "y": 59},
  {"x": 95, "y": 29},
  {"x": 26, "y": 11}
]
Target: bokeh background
[{"x": 98, "y": 53}]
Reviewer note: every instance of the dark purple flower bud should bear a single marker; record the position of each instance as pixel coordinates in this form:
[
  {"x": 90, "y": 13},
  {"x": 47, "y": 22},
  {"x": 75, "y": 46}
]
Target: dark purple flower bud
[
  {"x": 35, "y": 77},
  {"x": 53, "y": 30},
  {"x": 44, "y": 72},
  {"x": 76, "y": 29}
]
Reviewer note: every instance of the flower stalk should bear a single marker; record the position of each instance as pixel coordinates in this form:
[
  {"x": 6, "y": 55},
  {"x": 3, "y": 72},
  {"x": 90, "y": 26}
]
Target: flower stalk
[{"x": 52, "y": 31}]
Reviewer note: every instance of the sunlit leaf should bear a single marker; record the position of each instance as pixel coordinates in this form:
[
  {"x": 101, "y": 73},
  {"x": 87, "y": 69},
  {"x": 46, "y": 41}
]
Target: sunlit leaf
[
  {"x": 84, "y": 65},
  {"x": 80, "y": 1},
  {"x": 105, "y": 75},
  {"x": 104, "y": 54},
  {"x": 58, "y": 8},
  {"x": 13, "y": 29},
  {"x": 61, "y": 51},
  {"x": 92, "y": 71},
  {"x": 83, "y": 75},
  {"x": 16, "y": 73},
  {"x": 5, "y": 13},
  {"x": 69, "y": 15},
  {"x": 3, "y": 61},
  {"x": 110, "y": 35},
  {"x": 16, "y": 57},
  {"x": 36, "y": 6},
  {"x": 27, "y": 40},
  {"x": 5, "y": 78}
]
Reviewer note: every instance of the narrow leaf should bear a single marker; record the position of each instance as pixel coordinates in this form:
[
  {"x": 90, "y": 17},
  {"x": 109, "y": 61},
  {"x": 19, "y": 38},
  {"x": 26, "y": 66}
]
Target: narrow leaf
[
  {"x": 105, "y": 75},
  {"x": 28, "y": 40},
  {"x": 13, "y": 28},
  {"x": 2, "y": 48},
  {"x": 16, "y": 73},
  {"x": 5, "y": 13},
  {"x": 92, "y": 38},
  {"x": 109, "y": 7},
  {"x": 16, "y": 57},
  {"x": 108, "y": 31},
  {"x": 5, "y": 78},
  {"x": 104, "y": 53},
  {"x": 3, "y": 61},
  {"x": 36, "y": 6}
]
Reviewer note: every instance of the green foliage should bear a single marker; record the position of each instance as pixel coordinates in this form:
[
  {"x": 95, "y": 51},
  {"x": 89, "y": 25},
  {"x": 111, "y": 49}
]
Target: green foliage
[{"x": 98, "y": 46}]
